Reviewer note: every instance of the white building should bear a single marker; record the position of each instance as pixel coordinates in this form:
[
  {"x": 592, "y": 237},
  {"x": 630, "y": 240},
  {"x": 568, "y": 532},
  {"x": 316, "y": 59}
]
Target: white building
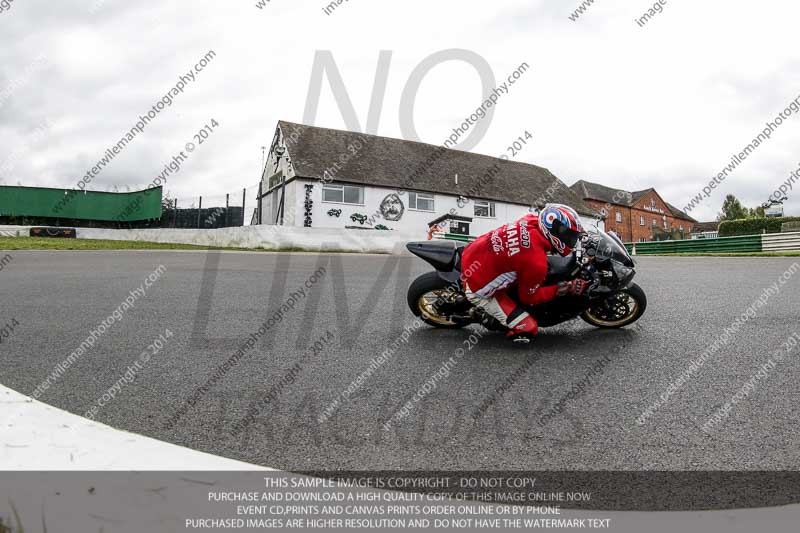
[{"x": 326, "y": 178}]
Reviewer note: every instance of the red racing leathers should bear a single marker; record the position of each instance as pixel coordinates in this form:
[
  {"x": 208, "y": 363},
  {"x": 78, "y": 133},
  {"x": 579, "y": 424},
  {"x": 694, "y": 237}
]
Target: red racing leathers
[{"x": 514, "y": 254}]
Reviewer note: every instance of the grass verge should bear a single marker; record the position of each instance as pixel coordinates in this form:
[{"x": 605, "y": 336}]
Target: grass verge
[{"x": 46, "y": 243}]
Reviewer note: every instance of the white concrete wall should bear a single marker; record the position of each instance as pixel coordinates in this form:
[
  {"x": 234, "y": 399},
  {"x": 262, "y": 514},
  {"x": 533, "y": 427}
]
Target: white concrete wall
[
  {"x": 15, "y": 231},
  {"x": 266, "y": 237}
]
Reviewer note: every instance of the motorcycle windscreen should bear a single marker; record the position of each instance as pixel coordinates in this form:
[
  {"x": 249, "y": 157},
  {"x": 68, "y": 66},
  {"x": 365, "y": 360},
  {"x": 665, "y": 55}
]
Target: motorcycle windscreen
[{"x": 610, "y": 248}]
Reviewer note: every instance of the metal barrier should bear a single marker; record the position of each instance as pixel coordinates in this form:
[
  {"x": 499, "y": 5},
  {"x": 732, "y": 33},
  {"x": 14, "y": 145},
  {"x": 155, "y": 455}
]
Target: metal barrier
[
  {"x": 781, "y": 242},
  {"x": 770, "y": 242},
  {"x": 742, "y": 244}
]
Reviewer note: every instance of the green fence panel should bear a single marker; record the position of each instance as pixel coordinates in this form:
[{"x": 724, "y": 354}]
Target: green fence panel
[
  {"x": 83, "y": 205},
  {"x": 742, "y": 244}
]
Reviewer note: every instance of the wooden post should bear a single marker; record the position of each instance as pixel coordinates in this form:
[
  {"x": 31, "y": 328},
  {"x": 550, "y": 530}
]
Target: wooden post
[
  {"x": 227, "y": 210},
  {"x": 199, "y": 210},
  {"x": 283, "y": 197},
  {"x": 258, "y": 202}
]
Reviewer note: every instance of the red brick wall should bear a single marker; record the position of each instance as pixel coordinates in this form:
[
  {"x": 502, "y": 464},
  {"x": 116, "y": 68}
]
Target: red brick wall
[
  {"x": 630, "y": 229},
  {"x": 651, "y": 207},
  {"x": 621, "y": 228}
]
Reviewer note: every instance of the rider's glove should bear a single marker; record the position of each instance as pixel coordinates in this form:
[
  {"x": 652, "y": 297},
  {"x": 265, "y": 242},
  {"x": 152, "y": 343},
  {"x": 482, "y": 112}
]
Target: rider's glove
[{"x": 575, "y": 287}]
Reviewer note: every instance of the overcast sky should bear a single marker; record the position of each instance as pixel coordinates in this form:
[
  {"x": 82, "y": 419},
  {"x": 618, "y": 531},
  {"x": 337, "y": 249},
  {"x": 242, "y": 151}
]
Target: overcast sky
[{"x": 665, "y": 105}]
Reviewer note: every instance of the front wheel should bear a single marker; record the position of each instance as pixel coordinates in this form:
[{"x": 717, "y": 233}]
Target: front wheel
[
  {"x": 619, "y": 310},
  {"x": 429, "y": 295}
]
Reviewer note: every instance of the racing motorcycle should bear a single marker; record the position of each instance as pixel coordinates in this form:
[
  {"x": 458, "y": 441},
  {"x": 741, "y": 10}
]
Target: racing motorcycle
[{"x": 611, "y": 301}]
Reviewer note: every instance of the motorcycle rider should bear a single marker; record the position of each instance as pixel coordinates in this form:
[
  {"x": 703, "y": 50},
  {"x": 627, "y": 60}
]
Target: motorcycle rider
[{"x": 516, "y": 255}]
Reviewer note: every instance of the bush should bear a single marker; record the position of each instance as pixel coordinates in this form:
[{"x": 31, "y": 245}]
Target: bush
[
  {"x": 790, "y": 226},
  {"x": 753, "y": 226}
]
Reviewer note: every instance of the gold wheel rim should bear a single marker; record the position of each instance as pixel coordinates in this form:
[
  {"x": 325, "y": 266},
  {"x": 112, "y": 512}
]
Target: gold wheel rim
[
  {"x": 425, "y": 306},
  {"x": 633, "y": 308}
]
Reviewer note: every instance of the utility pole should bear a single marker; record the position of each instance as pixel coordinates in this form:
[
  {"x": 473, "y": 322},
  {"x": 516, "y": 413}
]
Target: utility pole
[
  {"x": 263, "y": 153},
  {"x": 258, "y": 202},
  {"x": 260, "y": 183}
]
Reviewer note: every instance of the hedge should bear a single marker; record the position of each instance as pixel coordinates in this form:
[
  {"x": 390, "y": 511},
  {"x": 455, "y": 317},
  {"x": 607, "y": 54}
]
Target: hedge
[{"x": 753, "y": 226}]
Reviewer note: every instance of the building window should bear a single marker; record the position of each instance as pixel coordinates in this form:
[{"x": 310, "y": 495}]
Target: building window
[
  {"x": 655, "y": 223},
  {"x": 642, "y": 239},
  {"x": 484, "y": 209},
  {"x": 618, "y": 217},
  {"x": 641, "y": 221},
  {"x": 420, "y": 201},
  {"x": 666, "y": 225},
  {"x": 343, "y": 194},
  {"x": 680, "y": 227}
]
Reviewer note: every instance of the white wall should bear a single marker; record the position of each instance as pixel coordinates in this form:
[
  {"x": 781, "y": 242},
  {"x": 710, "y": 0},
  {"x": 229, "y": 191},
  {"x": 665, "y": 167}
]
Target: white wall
[
  {"x": 413, "y": 222},
  {"x": 266, "y": 237},
  {"x": 290, "y": 209}
]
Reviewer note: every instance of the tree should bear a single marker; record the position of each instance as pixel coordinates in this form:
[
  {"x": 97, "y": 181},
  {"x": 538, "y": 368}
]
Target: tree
[
  {"x": 758, "y": 212},
  {"x": 732, "y": 209},
  {"x": 167, "y": 203}
]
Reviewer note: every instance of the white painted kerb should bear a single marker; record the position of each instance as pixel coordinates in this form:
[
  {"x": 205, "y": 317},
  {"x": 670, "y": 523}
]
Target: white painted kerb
[{"x": 36, "y": 436}]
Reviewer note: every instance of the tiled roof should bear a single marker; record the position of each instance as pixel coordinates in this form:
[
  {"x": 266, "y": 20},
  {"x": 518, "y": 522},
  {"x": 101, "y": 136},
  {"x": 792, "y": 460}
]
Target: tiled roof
[
  {"x": 410, "y": 165},
  {"x": 595, "y": 191}
]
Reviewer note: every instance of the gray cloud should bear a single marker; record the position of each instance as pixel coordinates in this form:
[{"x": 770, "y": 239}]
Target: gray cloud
[{"x": 606, "y": 101}]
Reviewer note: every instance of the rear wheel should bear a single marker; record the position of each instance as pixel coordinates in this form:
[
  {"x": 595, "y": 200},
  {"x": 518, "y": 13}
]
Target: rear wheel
[
  {"x": 432, "y": 299},
  {"x": 620, "y": 310}
]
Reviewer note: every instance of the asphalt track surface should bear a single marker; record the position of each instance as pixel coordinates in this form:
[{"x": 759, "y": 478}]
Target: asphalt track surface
[{"x": 212, "y": 302}]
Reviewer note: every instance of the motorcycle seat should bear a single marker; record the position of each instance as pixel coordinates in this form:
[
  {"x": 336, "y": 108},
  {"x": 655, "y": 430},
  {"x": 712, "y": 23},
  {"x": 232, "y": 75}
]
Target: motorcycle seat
[{"x": 443, "y": 255}]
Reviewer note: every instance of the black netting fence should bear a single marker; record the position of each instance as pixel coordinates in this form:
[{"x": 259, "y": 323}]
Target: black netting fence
[
  {"x": 206, "y": 218},
  {"x": 226, "y": 210}
]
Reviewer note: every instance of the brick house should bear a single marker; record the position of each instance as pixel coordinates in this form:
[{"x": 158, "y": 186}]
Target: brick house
[{"x": 636, "y": 216}]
